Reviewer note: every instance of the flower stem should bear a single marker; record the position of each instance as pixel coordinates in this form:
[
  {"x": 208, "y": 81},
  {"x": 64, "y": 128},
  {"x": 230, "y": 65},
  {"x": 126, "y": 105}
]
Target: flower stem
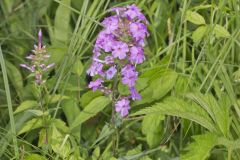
[
  {"x": 229, "y": 153},
  {"x": 113, "y": 119},
  {"x": 42, "y": 88}
]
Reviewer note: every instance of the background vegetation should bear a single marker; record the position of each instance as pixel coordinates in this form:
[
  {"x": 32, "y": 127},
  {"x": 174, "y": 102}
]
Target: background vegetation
[{"x": 190, "y": 83}]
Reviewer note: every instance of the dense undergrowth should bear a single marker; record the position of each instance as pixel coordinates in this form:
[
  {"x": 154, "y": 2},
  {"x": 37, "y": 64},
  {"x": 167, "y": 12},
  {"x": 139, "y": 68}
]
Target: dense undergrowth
[{"x": 189, "y": 83}]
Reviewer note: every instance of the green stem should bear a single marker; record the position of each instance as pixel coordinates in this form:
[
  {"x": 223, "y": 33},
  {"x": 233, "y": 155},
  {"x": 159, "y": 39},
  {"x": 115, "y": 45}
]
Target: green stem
[
  {"x": 229, "y": 153},
  {"x": 115, "y": 135},
  {"x": 43, "y": 88}
]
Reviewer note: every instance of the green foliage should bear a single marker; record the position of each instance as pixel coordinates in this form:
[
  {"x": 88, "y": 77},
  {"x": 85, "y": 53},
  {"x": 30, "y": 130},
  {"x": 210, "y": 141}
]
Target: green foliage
[
  {"x": 218, "y": 112},
  {"x": 95, "y": 106},
  {"x": 201, "y": 147},
  {"x": 59, "y": 143},
  {"x": 30, "y": 125},
  {"x": 78, "y": 67},
  {"x": 220, "y": 31},
  {"x": 25, "y": 105},
  {"x": 178, "y": 107},
  {"x": 159, "y": 85},
  {"x": 189, "y": 83},
  {"x": 152, "y": 127},
  {"x": 195, "y": 18},
  {"x": 62, "y": 22},
  {"x": 199, "y": 33},
  {"x": 35, "y": 157}
]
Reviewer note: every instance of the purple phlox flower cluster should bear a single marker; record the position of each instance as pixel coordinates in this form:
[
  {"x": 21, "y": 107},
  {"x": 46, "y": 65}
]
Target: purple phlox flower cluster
[
  {"x": 38, "y": 60},
  {"x": 117, "y": 52}
]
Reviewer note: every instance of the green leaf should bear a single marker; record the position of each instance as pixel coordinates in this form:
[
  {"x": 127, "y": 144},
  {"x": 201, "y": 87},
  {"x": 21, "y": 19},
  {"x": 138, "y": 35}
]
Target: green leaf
[
  {"x": 78, "y": 67},
  {"x": 96, "y": 153},
  {"x": 135, "y": 150},
  {"x": 199, "y": 33},
  {"x": 42, "y": 137},
  {"x": 25, "y": 105},
  {"x": 220, "y": 31},
  {"x": 38, "y": 112},
  {"x": 200, "y": 149},
  {"x": 88, "y": 97},
  {"x": 123, "y": 89},
  {"x": 105, "y": 133},
  {"x": 61, "y": 125},
  {"x": 152, "y": 127},
  {"x": 71, "y": 110},
  {"x": 57, "y": 53},
  {"x": 158, "y": 87},
  {"x": 35, "y": 157},
  {"x": 136, "y": 153},
  {"x": 30, "y": 125},
  {"x": 195, "y": 18},
  {"x": 178, "y": 107},
  {"x": 57, "y": 97},
  {"x": 15, "y": 77},
  {"x": 216, "y": 110},
  {"x": 59, "y": 143},
  {"x": 95, "y": 106},
  {"x": 62, "y": 22},
  {"x": 7, "y": 6}
]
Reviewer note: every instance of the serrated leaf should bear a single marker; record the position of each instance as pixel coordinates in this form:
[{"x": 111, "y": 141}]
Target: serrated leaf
[
  {"x": 95, "y": 106},
  {"x": 25, "y": 105},
  {"x": 220, "y": 31},
  {"x": 30, "y": 125},
  {"x": 216, "y": 110},
  {"x": 200, "y": 149},
  {"x": 178, "y": 107},
  {"x": 195, "y": 18},
  {"x": 199, "y": 33}
]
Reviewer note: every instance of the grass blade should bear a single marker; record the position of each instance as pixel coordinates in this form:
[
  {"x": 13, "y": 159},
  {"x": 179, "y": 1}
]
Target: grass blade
[{"x": 9, "y": 102}]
